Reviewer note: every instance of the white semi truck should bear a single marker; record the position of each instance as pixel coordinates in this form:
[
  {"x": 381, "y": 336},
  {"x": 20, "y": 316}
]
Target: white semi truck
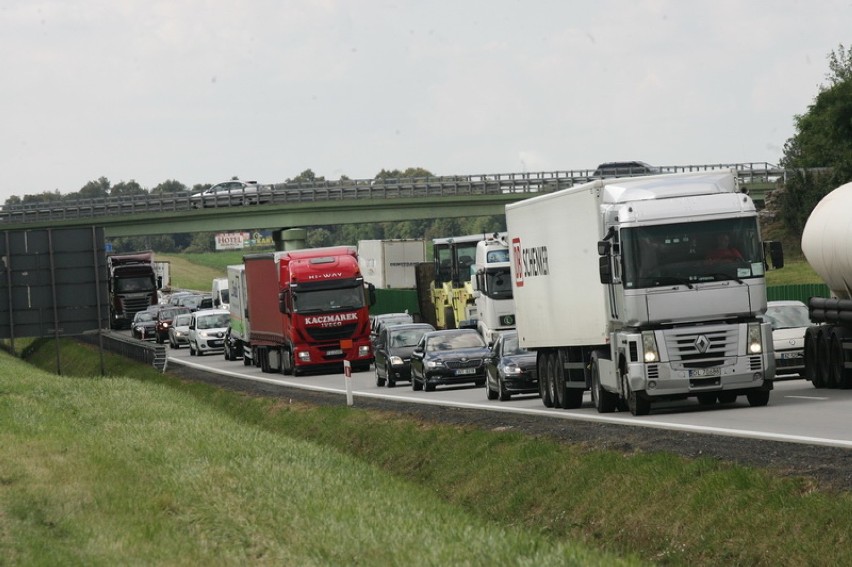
[
  {"x": 492, "y": 287},
  {"x": 620, "y": 288},
  {"x": 827, "y": 245}
]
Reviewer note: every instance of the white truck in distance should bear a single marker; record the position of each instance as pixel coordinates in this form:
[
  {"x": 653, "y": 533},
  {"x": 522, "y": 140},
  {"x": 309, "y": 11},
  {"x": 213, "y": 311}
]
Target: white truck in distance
[
  {"x": 619, "y": 287},
  {"x": 237, "y": 338},
  {"x": 492, "y": 287},
  {"x": 389, "y": 264}
]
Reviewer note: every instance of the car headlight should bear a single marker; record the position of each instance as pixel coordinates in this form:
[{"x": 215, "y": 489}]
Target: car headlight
[
  {"x": 434, "y": 363},
  {"x": 395, "y": 361},
  {"x": 510, "y": 369}
]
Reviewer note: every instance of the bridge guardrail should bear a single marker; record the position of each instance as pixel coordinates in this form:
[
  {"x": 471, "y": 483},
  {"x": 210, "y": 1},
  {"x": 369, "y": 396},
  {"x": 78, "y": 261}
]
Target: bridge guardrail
[{"x": 300, "y": 192}]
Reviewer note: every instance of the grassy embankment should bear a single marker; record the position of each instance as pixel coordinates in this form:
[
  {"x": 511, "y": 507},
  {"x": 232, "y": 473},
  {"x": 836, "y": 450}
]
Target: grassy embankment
[{"x": 145, "y": 468}]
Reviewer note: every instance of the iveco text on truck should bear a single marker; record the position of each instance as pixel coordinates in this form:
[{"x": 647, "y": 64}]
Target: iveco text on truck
[
  {"x": 309, "y": 310},
  {"x": 625, "y": 286}
]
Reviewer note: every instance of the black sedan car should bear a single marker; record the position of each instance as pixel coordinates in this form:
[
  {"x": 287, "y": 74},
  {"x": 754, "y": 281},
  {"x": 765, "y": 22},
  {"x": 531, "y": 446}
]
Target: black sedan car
[
  {"x": 144, "y": 325},
  {"x": 510, "y": 369},
  {"x": 448, "y": 357},
  {"x": 392, "y": 350}
]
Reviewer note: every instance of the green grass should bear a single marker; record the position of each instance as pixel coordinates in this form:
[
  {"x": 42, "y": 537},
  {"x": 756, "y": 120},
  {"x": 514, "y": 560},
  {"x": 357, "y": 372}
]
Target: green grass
[
  {"x": 147, "y": 470},
  {"x": 152, "y": 469}
]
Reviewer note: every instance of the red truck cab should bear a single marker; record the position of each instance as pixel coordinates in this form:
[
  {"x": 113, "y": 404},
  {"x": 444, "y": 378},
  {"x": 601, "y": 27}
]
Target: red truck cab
[{"x": 309, "y": 310}]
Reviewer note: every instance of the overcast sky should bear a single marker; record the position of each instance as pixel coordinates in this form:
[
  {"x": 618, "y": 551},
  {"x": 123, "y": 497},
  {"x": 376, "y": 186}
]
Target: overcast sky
[{"x": 200, "y": 91}]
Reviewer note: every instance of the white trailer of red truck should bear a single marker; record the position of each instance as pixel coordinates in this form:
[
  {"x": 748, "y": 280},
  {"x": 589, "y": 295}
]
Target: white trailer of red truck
[{"x": 618, "y": 290}]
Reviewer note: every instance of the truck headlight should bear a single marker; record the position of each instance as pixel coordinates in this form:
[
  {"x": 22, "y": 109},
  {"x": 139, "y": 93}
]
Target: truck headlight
[
  {"x": 304, "y": 355},
  {"x": 754, "y": 344},
  {"x": 649, "y": 347},
  {"x": 507, "y": 320},
  {"x": 364, "y": 350}
]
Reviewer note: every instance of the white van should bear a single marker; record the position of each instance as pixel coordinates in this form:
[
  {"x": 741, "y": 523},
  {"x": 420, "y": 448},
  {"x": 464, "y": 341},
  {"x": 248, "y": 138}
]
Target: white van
[
  {"x": 207, "y": 331},
  {"x": 220, "y": 293}
]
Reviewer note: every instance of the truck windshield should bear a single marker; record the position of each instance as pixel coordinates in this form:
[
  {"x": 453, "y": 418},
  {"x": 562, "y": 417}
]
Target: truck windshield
[
  {"x": 690, "y": 253},
  {"x": 498, "y": 283},
  {"x": 129, "y": 285},
  {"x": 322, "y": 300}
]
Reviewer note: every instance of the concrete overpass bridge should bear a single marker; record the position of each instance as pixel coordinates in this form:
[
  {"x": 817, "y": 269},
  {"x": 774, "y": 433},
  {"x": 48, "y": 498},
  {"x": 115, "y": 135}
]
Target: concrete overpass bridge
[{"x": 294, "y": 205}]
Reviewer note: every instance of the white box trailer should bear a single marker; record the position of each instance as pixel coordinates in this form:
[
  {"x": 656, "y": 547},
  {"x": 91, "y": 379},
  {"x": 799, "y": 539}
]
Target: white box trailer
[
  {"x": 615, "y": 290},
  {"x": 237, "y": 340},
  {"x": 389, "y": 264}
]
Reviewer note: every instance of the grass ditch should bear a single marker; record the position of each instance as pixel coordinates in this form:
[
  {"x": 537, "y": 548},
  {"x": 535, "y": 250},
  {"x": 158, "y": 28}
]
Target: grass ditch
[{"x": 658, "y": 507}]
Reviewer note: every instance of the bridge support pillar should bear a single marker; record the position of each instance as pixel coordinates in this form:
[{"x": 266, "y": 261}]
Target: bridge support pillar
[{"x": 289, "y": 239}]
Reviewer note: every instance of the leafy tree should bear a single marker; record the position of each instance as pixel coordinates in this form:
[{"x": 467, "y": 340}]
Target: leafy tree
[
  {"x": 822, "y": 143},
  {"x": 127, "y": 189},
  {"x": 168, "y": 187},
  {"x": 93, "y": 190},
  {"x": 307, "y": 176}
]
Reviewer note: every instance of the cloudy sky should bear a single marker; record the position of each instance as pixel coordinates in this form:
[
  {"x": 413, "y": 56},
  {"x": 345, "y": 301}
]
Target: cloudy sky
[{"x": 200, "y": 91}]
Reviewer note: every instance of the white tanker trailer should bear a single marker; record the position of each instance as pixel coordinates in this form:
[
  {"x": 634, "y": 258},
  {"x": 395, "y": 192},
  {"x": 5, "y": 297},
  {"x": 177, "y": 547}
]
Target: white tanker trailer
[{"x": 827, "y": 245}]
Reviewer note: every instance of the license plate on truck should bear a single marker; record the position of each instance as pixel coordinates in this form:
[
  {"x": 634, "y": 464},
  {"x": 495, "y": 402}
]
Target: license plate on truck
[
  {"x": 334, "y": 352},
  {"x": 792, "y": 355},
  {"x": 701, "y": 372},
  {"x": 463, "y": 371}
]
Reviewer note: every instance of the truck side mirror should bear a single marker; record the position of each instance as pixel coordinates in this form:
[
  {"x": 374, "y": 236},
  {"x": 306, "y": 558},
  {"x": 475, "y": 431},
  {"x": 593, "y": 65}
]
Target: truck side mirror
[
  {"x": 371, "y": 293},
  {"x": 605, "y": 269},
  {"x": 604, "y": 247},
  {"x": 159, "y": 282},
  {"x": 283, "y": 306}
]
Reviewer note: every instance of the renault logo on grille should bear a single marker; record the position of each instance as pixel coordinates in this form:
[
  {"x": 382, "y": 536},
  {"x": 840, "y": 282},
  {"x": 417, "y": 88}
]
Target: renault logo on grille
[{"x": 702, "y": 343}]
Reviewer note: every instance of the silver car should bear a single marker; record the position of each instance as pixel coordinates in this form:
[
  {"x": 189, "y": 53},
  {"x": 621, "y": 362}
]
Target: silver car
[
  {"x": 229, "y": 193},
  {"x": 207, "y": 329},
  {"x": 789, "y": 320}
]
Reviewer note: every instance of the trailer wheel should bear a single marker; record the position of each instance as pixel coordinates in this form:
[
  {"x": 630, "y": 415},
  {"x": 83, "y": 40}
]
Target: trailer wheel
[
  {"x": 824, "y": 356},
  {"x": 560, "y": 395},
  {"x": 605, "y": 402},
  {"x": 758, "y": 397},
  {"x": 841, "y": 376},
  {"x": 543, "y": 379},
  {"x": 812, "y": 373}
]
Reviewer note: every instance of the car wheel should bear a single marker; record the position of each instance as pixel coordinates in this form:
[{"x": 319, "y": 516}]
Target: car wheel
[
  {"x": 415, "y": 385},
  {"x": 505, "y": 396},
  {"x": 191, "y": 350},
  {"x": 489, "y": 393},
  {"x": 758, "y": 398},
  {"x": 391, "y": 382},
  {"x": 426, "y": 385},
  {"x": 726, "y": 397},
  {"x": 379, "y": 380},
  {"x": 707, "y": 399}
]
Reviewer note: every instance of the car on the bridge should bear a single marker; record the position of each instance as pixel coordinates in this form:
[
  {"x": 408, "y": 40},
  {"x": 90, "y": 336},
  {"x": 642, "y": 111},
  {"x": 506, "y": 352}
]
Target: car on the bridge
[
  {"x": 790, "y": 321},
  {"x": 624, "y": 169},
  {"x": 234, "y": 192},
  {"x": 179, "y": 331},
  {"x": 392, "y": 351},
  {"x": 450, "y": 356},
  {"x": 511, "y": 369},
  {"x": 207, "y": 329}
]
